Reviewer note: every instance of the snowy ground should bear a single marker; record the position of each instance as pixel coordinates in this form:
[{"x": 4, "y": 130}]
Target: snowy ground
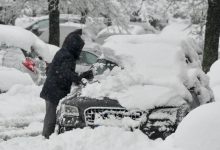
[{"x": 21, "y": 113}]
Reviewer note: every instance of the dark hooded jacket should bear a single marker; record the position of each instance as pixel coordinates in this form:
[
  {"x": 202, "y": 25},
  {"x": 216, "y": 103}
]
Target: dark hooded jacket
[{"x": 61, "y": 72}]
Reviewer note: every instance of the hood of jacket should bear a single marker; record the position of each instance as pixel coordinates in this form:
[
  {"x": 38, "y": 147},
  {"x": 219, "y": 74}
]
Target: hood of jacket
[{"x": 74, "y": 43}]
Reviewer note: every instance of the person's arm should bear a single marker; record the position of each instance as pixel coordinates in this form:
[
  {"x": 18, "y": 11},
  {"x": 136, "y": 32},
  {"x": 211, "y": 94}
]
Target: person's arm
[{"x": 87, "y": 75}]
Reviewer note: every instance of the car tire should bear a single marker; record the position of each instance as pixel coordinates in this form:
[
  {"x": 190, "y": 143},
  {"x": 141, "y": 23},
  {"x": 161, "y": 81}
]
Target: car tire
[{"x": 156, "y": 131}]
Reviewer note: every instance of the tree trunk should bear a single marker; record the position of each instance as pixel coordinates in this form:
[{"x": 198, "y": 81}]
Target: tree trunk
[
  {"x": 211, "y": 35},
  {"x": 54, "y": 28}
]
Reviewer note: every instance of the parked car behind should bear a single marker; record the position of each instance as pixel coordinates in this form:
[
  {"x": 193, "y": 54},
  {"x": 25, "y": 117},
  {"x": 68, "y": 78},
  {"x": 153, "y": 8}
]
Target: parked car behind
[
  {"x": 145, "y": 82},
  {"x": 41, "y": 24},
  {"x": 21, "y": 49},
  {"x": 65, "y": 29}
]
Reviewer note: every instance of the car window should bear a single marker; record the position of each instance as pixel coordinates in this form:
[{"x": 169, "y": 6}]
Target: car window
[
  {"x": 87, "y": 58},
  {"x": 102, "y": 65},
  {"x": 43, "y": 24},
  {"x": 63, "y": 20}
]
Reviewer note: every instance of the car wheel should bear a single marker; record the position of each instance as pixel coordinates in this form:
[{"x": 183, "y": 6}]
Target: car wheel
[{"x": 158, "y": 128}]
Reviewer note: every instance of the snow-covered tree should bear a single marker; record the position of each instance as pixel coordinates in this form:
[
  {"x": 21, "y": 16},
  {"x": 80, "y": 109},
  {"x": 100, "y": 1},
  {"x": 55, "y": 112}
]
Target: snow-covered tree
[
  {"x": 11, "y": 9},
  {"x": 211, "y": 35}
]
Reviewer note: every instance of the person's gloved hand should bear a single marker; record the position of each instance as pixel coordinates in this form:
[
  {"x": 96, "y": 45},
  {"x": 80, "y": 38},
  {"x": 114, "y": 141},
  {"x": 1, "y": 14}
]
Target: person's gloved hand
[{"x": 87, "y": 75}]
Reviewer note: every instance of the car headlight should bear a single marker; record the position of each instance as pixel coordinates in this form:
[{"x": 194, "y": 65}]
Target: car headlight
[{"x": 69, "y": 110}]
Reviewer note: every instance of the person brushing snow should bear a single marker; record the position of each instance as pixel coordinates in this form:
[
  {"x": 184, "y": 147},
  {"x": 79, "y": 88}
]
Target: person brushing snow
[{"x": 60, "y": 76}]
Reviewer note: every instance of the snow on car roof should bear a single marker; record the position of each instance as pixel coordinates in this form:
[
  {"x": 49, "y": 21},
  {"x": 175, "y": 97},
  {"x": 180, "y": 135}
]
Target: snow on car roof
[
  {"x": 153, "y": 61},
  {"x": 19, "y": 37},
  {"x": 113, "y": 30}
]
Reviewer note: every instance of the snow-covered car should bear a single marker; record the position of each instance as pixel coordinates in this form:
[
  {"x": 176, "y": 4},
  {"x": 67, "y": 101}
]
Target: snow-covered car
[
  {"x": 21, "y": 49},
  {"x": 149, "y": 82},
  {"x": 131, "y": 29},
  {"x": 77, "y": 111},
  {"x": 40, "y": 26},
  {"x": 65, "y": 29}
]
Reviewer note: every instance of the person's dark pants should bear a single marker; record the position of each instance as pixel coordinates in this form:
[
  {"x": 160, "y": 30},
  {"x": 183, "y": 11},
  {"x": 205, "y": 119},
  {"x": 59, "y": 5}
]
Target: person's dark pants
[{"x": 49, "y": 120}]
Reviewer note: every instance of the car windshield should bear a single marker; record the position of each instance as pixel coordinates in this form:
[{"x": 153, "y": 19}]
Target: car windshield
[
  {"x": 102, "y": 65},
  {"x": 87, "y": 58}
]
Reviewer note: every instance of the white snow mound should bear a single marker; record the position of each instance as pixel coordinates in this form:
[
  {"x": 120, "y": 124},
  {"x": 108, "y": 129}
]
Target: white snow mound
[
  {"x": 11, "y": 76},
  {"x": 199, "y": 130}
]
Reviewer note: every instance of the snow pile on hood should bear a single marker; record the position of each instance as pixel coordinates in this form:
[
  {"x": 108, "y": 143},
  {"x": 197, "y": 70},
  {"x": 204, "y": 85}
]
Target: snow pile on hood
[
  {"x": 157, "y": 68},
  {"x": 21, "y": 111},
  {"x": 214, "y": 79},
  {"x": 12, "y": 76},
  {"x": 19, "y": 37},
  {"x": 199, "y": 130}
]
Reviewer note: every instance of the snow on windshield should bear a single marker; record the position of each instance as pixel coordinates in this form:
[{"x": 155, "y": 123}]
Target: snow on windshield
[
  {"x": 158, "y": 70},
  {"x": 21, "y": 38}
]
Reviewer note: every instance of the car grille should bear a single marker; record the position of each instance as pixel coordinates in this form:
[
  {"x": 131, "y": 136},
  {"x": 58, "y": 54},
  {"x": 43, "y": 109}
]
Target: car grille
[{"x": 104, "y": 113}]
